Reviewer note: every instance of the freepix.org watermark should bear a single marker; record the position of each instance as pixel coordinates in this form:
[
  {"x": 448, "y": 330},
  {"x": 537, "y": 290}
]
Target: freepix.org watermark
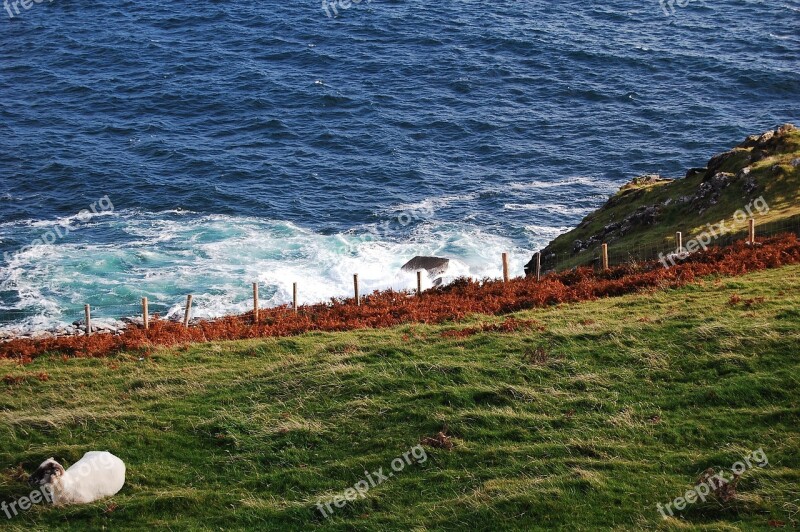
[
  {"x": 380, "y": 231},
  {"x": 415, "y": 455},
  {"x": 39, "y": 495},
  {"x": 58, "y": 231},
  {"x": 714, "y": 231},
  {"x": 330, "y": 6},
  {"x": 668, "y": 6},
  {"x": 714, "y": 483},
  {"x": 13, "y": 7}
]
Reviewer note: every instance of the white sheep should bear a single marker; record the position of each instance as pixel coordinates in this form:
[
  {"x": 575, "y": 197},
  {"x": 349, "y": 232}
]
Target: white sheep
[{"x": 97, "y": 475}]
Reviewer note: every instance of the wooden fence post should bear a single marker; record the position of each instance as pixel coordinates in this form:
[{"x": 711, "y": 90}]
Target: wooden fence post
[
  {"x": 188, "y": 311},
  {"x": 679, "y": 242},
  {"x": 539, "y": 266},
  {"x": 255, "y": 302},
  {"x": 355, "y": 289},
  {"x": 419, "y": 284},
  {"x": 605, "y": 256},
  {"x": 751, "y": 231},
  {"x": 87, "y": 310},
  {"x": 294, "y": 297},
  {"x": 145, "y": 314},
  {"x": 505, "y": 267}
]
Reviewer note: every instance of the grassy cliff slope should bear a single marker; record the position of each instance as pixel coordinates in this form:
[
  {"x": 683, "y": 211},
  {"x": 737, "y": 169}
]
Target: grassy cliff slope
[
  {"x": 647, "y": 212},
  {"x": 585, "y": 420}
]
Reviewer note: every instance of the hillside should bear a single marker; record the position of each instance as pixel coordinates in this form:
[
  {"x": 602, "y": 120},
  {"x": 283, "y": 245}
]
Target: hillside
[
  {"x": 578, "y": 417},
  {"x": 455, "y": 301},
  {"x": 641, "y": 219}
]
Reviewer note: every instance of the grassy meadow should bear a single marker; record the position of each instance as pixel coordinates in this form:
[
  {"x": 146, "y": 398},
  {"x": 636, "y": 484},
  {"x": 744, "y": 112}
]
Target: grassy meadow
[{"x": 586, "y": 421}]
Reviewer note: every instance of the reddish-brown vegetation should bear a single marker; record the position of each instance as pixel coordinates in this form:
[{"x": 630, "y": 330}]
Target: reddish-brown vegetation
[
  {"x": 734, "y": 300},
  {"x": 722, "y": 490},
  {"x": 440, "y": 441},
  {"x": 14, "y": 380},
  {"x": 452, "y": 302}
]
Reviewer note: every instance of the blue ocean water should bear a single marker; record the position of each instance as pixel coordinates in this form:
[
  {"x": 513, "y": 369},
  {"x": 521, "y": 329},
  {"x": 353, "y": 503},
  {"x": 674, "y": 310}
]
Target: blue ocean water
[{"x": 216, "y": 144}]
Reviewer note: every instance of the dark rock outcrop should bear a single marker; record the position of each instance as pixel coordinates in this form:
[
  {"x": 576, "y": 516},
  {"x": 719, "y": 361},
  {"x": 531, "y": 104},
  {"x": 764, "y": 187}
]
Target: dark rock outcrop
[
  {"x": 643, "y": 216},
  {"x": 709, "y": 191},
  {"x": 753, "y": 149},
  {"x": 433, "y": 265},
  {"x": 691, "y": 172},
  {"x": 717, "y": 162},
  {"x": 647, "y": 179}
]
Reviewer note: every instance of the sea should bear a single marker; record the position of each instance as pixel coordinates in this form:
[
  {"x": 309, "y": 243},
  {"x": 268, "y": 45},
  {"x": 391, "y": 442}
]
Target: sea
[{"x": 158, "y": 149}]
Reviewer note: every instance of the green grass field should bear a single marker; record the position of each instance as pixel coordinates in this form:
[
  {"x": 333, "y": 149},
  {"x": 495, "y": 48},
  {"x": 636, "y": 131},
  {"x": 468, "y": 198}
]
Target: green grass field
[{"x": 615, "y": 406}]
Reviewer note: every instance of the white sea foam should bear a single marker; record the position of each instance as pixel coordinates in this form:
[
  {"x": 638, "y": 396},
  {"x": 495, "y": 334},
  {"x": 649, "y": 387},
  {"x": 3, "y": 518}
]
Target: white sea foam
[
  {"x": 64, "y": 221},
  {"x": 547, "y": 231},
  {"x": 592, "y": 183},
  {"x": 435, "y": 202},
  {"x": 548, "y": 207},
  {"x": 217, "y": 257},
  {"x": 430, "y": 205}
]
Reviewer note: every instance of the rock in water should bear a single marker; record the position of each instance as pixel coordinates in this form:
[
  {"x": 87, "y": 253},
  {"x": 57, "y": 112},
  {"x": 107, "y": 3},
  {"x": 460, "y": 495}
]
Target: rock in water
[{"x": 435, "y": 266}]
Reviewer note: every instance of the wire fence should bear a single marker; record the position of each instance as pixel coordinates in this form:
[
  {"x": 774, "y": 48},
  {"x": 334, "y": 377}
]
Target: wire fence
[{"x": 73, "y": 315}]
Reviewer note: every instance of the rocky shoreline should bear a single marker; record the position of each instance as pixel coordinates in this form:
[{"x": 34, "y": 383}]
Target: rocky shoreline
[
  {"x": 108, "y": 326},
  {"x": 434, "y": 267}
]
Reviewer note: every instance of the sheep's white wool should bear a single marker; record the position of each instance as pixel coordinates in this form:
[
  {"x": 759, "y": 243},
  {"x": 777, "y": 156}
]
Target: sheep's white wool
[{"x": 99, "y": 474}]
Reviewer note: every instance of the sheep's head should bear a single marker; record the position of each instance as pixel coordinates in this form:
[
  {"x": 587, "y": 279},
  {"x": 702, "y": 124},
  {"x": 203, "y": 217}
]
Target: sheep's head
[{"x": 48, "y": 472}]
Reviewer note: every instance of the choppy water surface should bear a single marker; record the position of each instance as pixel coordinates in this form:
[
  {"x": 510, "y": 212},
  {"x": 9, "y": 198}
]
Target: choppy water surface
[{"x": 265, "y": 141}]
